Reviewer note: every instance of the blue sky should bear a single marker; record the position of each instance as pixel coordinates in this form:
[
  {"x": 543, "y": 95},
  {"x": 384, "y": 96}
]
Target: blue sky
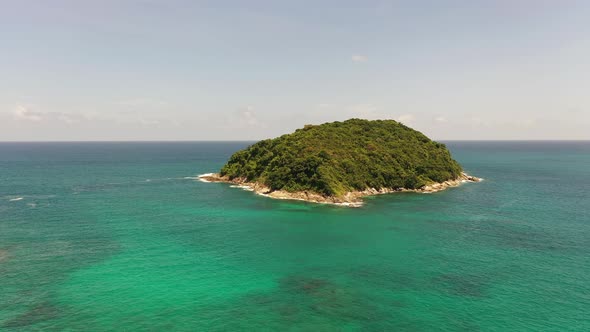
[{"x": 244, "y": 70}]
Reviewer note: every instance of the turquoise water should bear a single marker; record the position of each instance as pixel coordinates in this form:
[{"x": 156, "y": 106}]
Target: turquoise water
[{"x": 113, "y": 236}]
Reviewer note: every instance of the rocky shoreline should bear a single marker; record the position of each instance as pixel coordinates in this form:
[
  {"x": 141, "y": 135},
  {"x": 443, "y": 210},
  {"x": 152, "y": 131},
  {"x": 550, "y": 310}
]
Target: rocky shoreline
[{"x": 352, "y": 199}]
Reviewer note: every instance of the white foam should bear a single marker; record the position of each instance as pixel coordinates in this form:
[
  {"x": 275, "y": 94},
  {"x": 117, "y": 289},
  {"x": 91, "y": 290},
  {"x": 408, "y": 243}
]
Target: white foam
[
  {"x": 359, "y": 204},
  {"x": 201, "y": 177},
  {"x": 248, "y": 188},
  {"x": 194, "y": 178},
  {"x": 15, "y": 199}
]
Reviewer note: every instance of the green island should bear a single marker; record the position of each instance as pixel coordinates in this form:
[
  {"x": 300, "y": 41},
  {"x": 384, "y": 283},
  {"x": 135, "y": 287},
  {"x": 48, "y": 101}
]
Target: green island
[{"x": 340, "y": 162}]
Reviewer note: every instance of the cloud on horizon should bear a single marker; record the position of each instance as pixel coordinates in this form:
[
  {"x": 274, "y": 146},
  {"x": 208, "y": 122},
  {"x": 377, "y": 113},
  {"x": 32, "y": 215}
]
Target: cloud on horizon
[
  {"x": 359, "y": 58},
  {"x": 244, "y": 118},
  {"x": 27, "y": 113},
  {"x": 23, "y": 113},
  {"x": 440, "y": 119}
]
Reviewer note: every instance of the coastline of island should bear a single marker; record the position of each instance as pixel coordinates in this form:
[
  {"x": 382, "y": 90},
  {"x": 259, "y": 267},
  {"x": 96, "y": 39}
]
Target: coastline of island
[{"x": 350, "y": 199}]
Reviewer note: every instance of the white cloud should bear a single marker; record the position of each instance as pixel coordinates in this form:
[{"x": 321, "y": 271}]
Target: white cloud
[
  {"x": 249, "y": 117},
  {"x": 24, "y": 113},
  {"x": 360, "y": 58},
  {"x": 27, "y": 113},
  {"x": 243, "y": 118},
  {"x": 440, "y": 119},
  {"x": 406, "y": 118}
]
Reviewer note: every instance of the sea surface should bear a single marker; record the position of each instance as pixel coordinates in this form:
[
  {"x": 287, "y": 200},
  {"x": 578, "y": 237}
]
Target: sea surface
[{"x": 121, "y": 236}]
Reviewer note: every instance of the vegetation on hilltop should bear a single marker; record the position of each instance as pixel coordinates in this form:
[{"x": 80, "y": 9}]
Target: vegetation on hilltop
[{"x": 334, "y": 158}]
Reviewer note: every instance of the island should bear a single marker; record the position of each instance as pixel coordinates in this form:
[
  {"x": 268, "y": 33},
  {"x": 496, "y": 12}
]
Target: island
[{"x": 342, "y": 162}]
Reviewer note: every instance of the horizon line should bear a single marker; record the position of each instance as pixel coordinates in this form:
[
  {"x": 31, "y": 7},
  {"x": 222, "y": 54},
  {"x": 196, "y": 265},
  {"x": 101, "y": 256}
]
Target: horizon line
[{"x": 230, "y": 141}]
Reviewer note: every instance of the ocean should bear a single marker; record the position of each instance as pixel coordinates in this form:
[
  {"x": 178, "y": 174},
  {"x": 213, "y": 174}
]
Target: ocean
[{"x": 121, "y": 236}]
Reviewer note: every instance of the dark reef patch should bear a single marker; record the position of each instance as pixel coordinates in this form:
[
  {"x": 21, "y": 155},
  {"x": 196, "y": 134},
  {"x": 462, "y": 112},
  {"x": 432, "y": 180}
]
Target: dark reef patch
[
  {"x": 299, "y": 300},
  {"x": 299, "y": 284},
  {"x": 4, "y": 255},
  {"x": 40, "y": 312},
  {"x": 462, "y": 284},
  {"x": 326, "y": 298}
]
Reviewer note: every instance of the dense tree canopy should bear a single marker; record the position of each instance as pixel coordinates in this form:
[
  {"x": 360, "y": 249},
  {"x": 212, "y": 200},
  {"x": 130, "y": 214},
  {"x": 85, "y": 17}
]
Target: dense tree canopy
[{"x": 338, "y": 157}]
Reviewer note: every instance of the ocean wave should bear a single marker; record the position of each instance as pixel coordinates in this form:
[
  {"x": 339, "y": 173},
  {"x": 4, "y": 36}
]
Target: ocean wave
[{"x": 16, "y": 199}]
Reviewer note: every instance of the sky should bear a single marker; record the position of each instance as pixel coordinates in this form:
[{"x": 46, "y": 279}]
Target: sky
[{"x": 247, "y": 70}]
